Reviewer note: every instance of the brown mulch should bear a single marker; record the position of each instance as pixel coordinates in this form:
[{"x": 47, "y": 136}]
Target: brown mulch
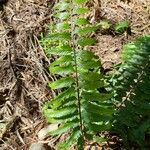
[
  {"x": 23, "y": 64},
  {"x": 23, "y": 73}
]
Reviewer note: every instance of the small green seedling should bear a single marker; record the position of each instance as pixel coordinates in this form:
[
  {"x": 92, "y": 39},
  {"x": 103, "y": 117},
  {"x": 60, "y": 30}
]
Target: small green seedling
[{"x": 122, "y": 27}]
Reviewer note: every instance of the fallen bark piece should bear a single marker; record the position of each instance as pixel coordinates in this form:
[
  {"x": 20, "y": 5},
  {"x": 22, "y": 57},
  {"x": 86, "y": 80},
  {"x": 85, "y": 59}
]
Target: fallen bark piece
[
  {"x": 43, "y": 133},
  {"x": 37, "y": 146}
]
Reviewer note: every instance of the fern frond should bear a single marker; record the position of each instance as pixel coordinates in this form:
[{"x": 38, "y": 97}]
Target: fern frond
[
  {"x": 133, "y": 89},
  {"x": 135, "y": 67},
  {"x": 80, "y": 108}
]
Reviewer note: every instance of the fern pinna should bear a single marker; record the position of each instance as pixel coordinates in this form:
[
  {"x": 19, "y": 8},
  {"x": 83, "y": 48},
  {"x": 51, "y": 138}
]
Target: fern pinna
[
  {"x": 132, "y": 90},
  {"x": 80, "y": 109}
]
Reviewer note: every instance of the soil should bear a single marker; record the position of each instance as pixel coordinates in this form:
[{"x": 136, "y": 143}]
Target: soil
[{"x": 23, "y": 64}]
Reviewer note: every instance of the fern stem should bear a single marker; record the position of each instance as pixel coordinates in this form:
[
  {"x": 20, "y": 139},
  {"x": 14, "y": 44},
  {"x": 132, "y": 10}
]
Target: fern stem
[
  {"x": 134, "y": 86},
  {"x": 74, "y": 46},
  {"x": 78, "y": 95}
]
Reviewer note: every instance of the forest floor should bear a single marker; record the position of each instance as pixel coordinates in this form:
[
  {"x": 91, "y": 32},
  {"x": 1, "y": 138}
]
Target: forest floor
[{"x": 23, "y": 64}]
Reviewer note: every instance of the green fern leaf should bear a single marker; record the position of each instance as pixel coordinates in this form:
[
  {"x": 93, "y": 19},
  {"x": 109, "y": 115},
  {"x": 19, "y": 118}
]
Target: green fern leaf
[
  {"x": 87, "y": 55},
  {"x": 66, "y": 93},
  {"x": 87, "y": 60},
  {"x": 62, "y": 15},
  {"x": 86, "y": 42},
  {"x": 100, "y": 127},
  {"x": 62, "y": 112},
  {"x": 62, "y": 120},
  {"x": 71, "y": 140},
  {"x": 62, "y": 26},
  {"x": 88, "y": 84},
  {"x": 57, "y": 103},
  {"x": 62, "y": 6},
  {"x": 81, "y": 22},
  {"x": 64, "y": 128},
  {"x": 99, "y": 109},
  {"x": 86, "y": 66},
  {"x": 70, "y": 92},
  {"x": 81, "y": 11},
  {"x": 61, "y": 70},
  {"x": 64, "y": 82},
  {"x": 79, "y": 2},
  {"x": 61, "y": 50},
  {"x": 96, "y": 96},
  {"x": 63, "y": 60},
  {"x": 86, "y": 31},
  {"x": 65, "y": 36}
]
